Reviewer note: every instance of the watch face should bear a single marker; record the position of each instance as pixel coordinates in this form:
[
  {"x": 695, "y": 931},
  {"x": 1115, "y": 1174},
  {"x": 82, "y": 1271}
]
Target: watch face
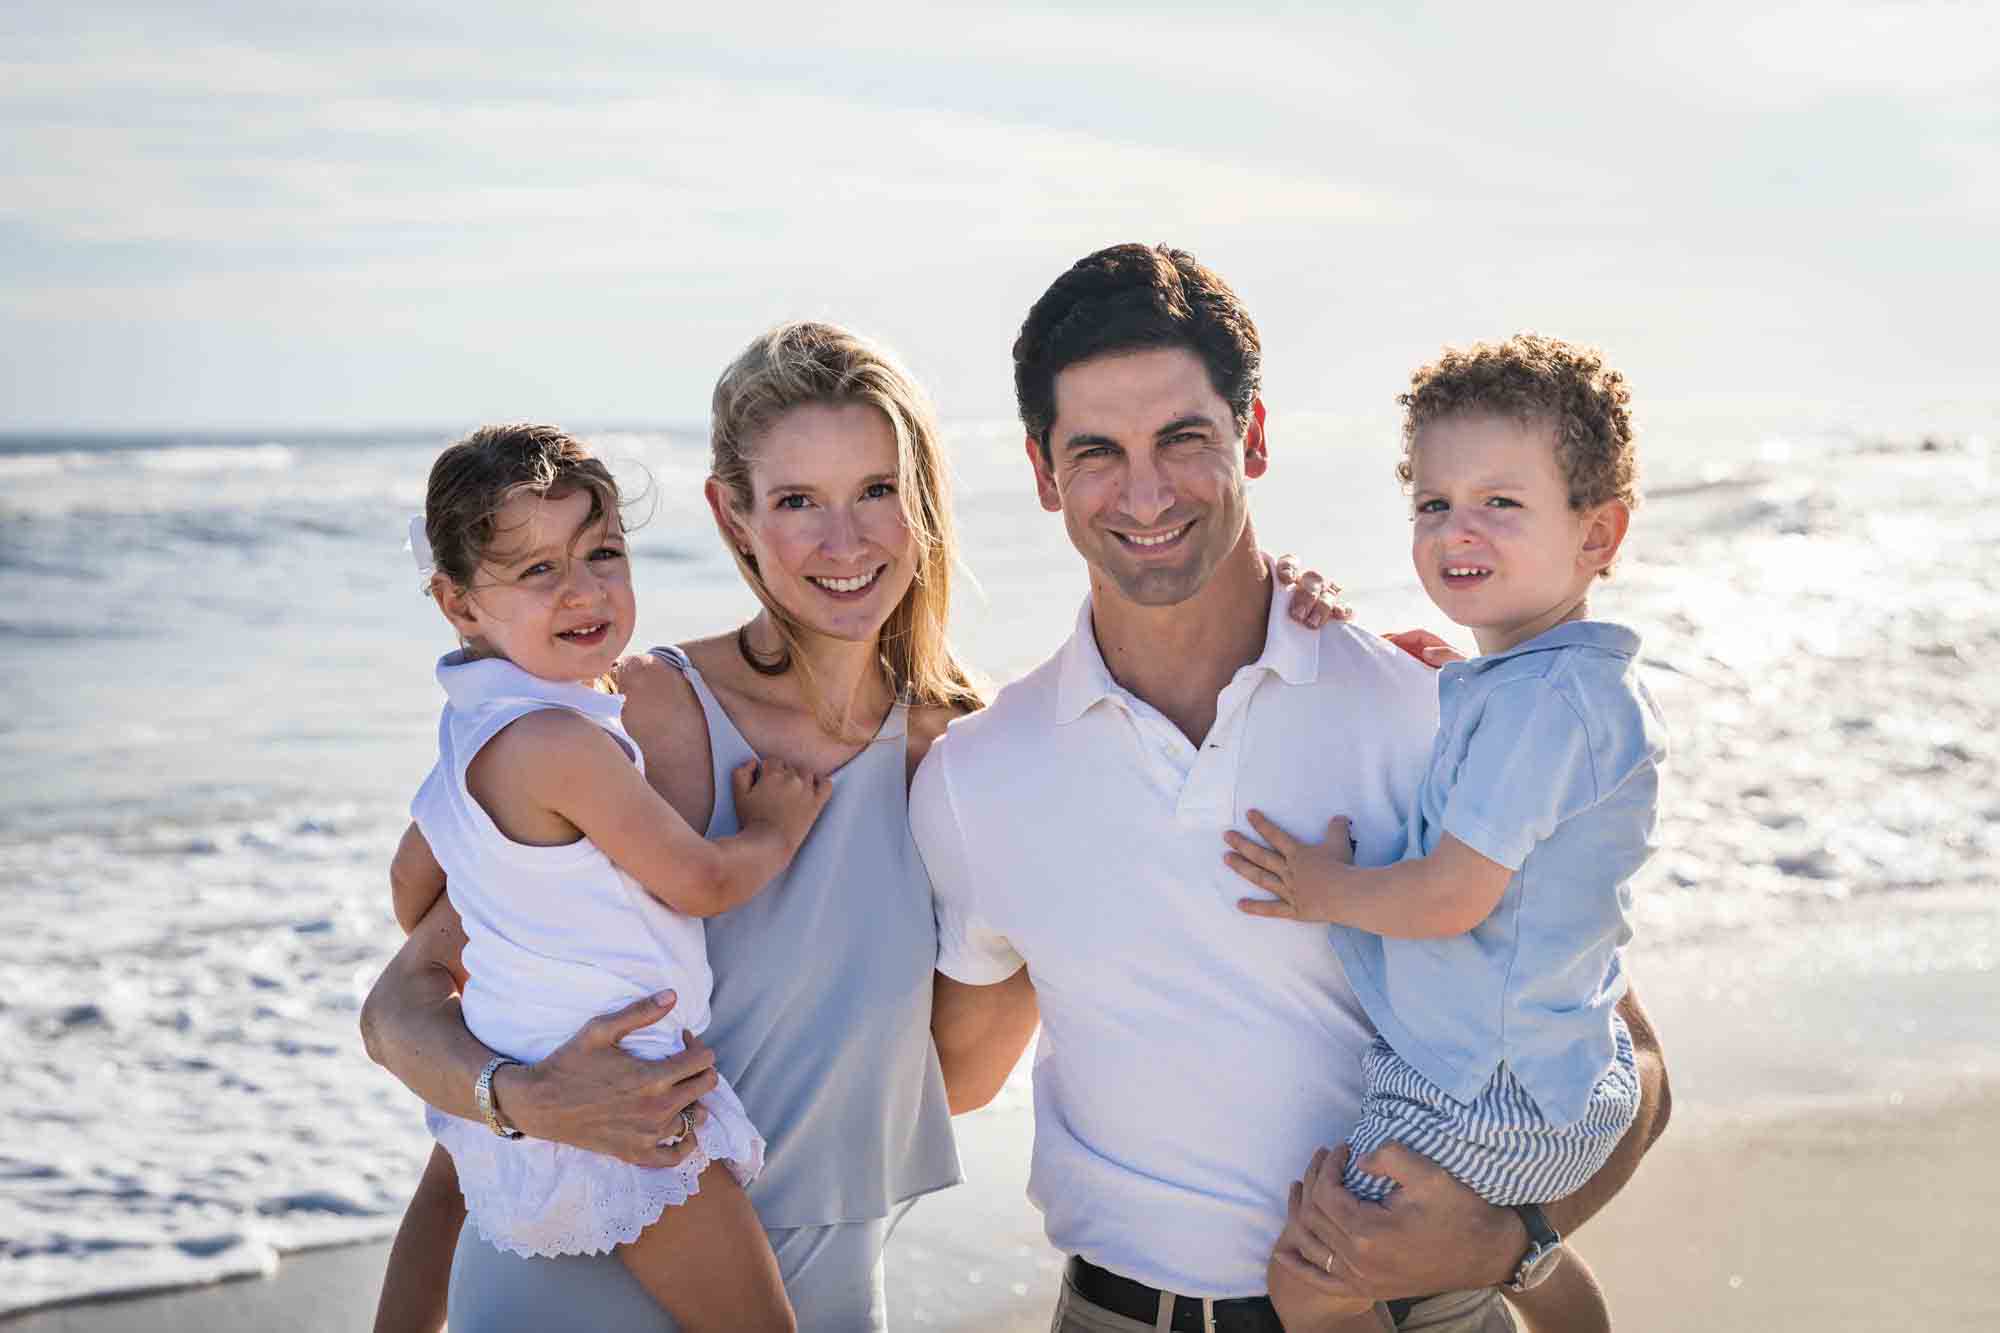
[{"x": 1536, "y": 1268}]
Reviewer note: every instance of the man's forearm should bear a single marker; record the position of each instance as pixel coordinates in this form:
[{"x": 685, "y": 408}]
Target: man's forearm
[{"x": 1655, "y": 1106}]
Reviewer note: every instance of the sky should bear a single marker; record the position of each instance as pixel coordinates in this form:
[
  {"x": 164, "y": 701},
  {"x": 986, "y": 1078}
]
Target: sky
[{"x": 301, "y": 217}]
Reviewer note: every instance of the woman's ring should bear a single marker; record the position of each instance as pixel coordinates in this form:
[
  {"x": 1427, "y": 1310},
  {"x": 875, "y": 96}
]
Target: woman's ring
[
  {"x": 687, "y": 1128},
  {"x": 1329, "y": 1263}
]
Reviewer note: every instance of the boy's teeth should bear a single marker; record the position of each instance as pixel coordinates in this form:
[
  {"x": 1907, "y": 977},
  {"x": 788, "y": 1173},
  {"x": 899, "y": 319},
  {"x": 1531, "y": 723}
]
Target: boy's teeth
[{"x": 1459, "y": 570}]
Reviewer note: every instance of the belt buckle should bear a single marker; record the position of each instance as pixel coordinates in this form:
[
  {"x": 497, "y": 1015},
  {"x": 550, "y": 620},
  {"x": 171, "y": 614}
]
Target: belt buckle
[{"x": 1164, "y": 1323}]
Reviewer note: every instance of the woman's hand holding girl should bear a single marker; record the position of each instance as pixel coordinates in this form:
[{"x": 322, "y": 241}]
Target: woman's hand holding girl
[{"x": 592, "y": 1093}]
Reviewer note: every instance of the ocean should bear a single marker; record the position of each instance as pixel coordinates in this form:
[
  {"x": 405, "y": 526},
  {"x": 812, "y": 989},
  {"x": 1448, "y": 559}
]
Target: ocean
[{"x": 218, "y": 665}]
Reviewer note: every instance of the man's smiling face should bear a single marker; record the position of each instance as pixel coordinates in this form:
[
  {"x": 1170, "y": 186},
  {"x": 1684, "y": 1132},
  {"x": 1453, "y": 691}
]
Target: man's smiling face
[{"x": 1147, "y": 469}]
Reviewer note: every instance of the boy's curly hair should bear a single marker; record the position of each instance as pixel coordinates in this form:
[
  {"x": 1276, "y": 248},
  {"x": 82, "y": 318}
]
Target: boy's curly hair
[{"x": 1532, "y": 378}]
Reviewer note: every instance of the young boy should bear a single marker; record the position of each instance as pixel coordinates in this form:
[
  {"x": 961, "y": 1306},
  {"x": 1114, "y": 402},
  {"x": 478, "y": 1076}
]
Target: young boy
[{"x": 1489, "y": 958}]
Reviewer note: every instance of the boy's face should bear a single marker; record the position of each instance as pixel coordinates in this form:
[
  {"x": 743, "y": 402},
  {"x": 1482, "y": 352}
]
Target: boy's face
[{"x": 1495, "y": 542}]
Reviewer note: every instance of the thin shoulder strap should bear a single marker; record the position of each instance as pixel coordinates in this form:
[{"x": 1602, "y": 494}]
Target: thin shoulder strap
[{"x": 726, "y": 746}]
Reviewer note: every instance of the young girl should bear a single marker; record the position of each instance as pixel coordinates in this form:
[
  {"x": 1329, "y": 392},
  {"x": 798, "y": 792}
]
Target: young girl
[
  {"x": 580, "y": 888},
  {"x": 1490, "y": 958}
]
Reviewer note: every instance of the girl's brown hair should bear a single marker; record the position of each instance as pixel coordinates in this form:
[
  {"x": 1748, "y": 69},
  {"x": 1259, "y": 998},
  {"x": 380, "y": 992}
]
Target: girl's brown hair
[
  {"x": 472, "y": 481},
  {"x": 807, "y": 362}
]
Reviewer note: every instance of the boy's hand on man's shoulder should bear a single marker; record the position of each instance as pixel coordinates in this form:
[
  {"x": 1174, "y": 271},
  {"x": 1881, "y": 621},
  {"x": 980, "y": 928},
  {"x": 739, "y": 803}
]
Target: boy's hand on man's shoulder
[
  {"x": 1426, "y": 647},
  {"x": 1315, "y": 599}
]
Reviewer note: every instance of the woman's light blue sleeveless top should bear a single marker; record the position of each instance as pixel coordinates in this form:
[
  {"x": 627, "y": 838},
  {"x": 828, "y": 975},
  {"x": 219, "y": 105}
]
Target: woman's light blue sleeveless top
[{"x": 822, "y": 1001}]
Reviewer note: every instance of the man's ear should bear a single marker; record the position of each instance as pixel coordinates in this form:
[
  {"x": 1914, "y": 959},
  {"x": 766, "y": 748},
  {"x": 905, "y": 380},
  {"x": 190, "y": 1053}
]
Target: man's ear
[
  {"x": 1045, "y": 477},
  {"x": 1256, "y": 443},
  {"x": 457, "y": 604},
  {"x": 1603, "y": 534}
]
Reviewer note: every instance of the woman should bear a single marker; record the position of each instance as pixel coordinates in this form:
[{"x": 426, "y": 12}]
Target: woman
[{"x": 831, "y": 490}]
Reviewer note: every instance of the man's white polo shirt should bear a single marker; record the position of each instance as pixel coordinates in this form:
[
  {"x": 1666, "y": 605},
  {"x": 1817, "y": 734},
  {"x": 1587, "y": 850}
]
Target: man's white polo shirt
[{"x": 1191, "y": 1057}]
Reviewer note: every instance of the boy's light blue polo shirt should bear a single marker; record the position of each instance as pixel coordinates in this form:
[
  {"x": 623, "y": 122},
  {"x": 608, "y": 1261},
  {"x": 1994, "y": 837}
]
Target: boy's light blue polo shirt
[{"x": 1546, "y": 762}]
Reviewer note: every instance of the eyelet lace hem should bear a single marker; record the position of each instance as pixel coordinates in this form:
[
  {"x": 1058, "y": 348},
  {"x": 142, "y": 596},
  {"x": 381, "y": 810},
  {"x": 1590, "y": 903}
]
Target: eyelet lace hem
[{"x": 539, "y": 1199}]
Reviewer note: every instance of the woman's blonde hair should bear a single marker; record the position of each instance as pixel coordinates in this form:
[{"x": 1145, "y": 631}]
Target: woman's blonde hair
[{"x": 807, "y": 362}]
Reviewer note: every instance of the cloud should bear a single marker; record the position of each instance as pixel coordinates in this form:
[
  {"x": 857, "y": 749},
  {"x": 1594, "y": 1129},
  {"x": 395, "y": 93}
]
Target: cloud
[{"x": 393, "y": 186}]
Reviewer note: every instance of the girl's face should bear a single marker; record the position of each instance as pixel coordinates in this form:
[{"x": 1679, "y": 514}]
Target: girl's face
[
  {"x": 554, "y": 601},
  {"x": 825, "y": 523}
]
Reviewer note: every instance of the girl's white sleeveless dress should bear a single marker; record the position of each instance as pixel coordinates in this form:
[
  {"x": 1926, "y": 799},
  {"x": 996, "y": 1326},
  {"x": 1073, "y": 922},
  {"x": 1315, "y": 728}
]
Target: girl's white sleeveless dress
[{"x": 556, "y": 936}]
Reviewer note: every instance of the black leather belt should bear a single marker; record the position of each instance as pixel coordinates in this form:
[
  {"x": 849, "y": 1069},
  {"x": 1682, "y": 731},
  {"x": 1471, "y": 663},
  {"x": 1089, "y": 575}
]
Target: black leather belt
[{"x": 1135, "y": 1300}]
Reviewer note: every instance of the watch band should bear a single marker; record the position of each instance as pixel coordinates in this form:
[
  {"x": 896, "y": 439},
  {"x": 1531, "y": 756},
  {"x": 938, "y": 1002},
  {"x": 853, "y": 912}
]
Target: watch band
[{"x": 482, "y": 1095}]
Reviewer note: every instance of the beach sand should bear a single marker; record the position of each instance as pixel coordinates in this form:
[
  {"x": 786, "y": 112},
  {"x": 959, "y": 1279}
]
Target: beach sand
[{"x": 1804, "y": 1184}]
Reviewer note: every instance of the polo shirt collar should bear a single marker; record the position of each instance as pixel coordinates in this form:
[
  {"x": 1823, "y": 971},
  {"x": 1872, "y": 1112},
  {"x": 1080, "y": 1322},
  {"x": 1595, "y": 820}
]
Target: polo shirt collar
[
  {"x": 1599, "y": 634},
  {"x": 1291, "y": 652}
]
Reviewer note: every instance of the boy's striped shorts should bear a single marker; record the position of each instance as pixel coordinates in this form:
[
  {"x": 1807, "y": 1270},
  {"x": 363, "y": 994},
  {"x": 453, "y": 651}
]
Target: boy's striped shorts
[{"x": 1498, "y": 1144}]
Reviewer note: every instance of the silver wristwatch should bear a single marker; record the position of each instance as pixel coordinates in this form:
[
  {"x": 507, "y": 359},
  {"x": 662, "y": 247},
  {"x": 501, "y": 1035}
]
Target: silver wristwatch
[
  {"x": 482, "y": 1095},
  {"x": 1545, "y": 1249}
]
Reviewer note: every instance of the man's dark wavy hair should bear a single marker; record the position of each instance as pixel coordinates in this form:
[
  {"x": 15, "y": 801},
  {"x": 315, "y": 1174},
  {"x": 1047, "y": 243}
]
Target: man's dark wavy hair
[{"x": 1127, "y": 298}]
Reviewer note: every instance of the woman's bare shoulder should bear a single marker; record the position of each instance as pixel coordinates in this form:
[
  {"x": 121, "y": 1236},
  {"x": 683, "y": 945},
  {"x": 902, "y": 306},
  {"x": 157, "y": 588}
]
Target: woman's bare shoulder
[
  {"x": 712, "y": 653},
  {"x": 655, "y": 690},
  {"x": 720, "y": 662},
  {"x": 662, "y": 712}
]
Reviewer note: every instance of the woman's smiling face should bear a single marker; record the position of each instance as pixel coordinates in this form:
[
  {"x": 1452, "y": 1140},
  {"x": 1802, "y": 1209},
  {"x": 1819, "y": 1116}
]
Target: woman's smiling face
[{"x": 825, "y": 523}]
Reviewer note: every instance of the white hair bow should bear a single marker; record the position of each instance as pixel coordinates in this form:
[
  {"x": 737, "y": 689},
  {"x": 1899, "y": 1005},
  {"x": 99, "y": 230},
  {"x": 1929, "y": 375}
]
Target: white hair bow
[{"x": 419, "y": 546}]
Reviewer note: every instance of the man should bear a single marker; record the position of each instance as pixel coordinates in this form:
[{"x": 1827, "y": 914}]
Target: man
[{"x": 1192, "y": 1057}]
